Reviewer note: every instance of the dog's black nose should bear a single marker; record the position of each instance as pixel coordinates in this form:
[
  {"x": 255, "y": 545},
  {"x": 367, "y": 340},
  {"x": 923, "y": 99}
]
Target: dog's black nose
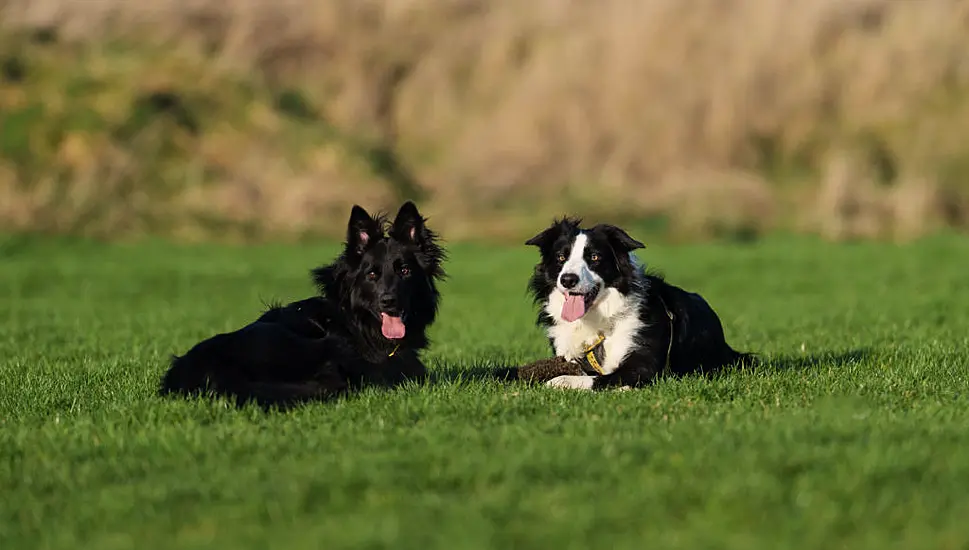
[
  {"x": 388, "y": 303},
  {"x": 569, "y": 280}
]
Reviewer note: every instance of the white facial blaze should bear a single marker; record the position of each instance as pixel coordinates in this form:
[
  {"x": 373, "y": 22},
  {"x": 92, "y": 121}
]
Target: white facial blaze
[{"x": 576, "y": 264}]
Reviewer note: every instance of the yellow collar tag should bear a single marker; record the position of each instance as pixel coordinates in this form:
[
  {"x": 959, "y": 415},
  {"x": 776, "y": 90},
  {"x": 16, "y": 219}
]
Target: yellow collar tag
[{"x": 590, "y": 354}]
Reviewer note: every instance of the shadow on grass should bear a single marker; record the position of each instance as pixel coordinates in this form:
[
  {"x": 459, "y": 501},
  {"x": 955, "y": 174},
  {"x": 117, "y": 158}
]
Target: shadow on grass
[
  {"x": 814, "y": 360},
  {"x": 475, "y": 371},
  {"x": 480, "y": 371},
  {"x": 791, "y": 362},
  {"x": 488, "y": 370}
]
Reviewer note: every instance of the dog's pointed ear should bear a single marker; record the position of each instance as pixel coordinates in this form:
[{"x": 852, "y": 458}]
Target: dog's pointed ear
[
  {"x": 619, "y": 239},
  {"x": 362, "y": 230},
  {"x": 410, "y": 228},
  {"x": 546, "y": 237},
  {"x": 556, "y": 230},
  {"x": 409, "y": 224}
]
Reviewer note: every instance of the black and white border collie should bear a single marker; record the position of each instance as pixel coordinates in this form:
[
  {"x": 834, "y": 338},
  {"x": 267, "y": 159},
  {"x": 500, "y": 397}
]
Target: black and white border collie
[
  {"x": 624, "y": 326},
  {"x": 377, "y": 300}
]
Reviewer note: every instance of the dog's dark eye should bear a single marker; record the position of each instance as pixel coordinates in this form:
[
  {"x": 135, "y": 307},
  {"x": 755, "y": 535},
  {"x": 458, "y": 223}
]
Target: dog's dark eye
[
  {"x": 404, "y": 271},
  {"x": 561, "y": 258},
  {"x": 371, "y": 275},
  {"x": 594, "y": 257}
]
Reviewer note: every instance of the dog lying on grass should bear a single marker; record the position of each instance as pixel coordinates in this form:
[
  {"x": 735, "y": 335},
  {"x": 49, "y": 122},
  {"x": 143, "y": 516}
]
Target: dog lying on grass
[
  {"x": 610, "y": 322},
  {"x": 369, "y": 324}
]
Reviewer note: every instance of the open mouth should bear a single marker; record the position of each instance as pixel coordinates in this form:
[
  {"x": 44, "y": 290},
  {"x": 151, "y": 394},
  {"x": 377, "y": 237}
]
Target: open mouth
[
  {"x": 576, "y": 304},
  {"x": 392, "y": 326}
]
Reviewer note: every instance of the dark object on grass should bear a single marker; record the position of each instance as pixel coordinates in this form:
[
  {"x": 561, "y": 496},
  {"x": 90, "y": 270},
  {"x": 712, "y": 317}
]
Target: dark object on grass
[
  {"x": 377, "y": 301},
  {"x": 542, "y": 370}
]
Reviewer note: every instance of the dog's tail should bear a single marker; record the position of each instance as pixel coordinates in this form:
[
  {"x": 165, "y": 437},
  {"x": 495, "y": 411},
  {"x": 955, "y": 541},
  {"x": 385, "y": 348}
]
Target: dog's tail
[
  {"x": 743, "y": 359},
  {"x": 182, "y": 378}
]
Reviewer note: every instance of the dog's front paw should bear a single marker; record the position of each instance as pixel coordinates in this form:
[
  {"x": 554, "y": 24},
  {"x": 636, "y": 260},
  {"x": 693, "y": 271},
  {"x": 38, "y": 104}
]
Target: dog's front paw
[{"x": 571, "y": 382}]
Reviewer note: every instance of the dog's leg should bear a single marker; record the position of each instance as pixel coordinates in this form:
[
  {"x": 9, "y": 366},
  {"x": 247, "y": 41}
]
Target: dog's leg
[
  {"x": 626, "y": 376},
  {"x": 406, "y": 367}
]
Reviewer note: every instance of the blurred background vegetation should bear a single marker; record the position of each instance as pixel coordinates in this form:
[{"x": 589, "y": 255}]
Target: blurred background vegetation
[{"x": 267, "y": 119}]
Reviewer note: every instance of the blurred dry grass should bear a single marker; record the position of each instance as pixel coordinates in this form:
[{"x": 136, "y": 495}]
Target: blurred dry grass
[{"x": 258, "y": 117}]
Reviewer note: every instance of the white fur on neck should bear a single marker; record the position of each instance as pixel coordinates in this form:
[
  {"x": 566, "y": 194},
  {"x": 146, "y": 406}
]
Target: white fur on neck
[{"x": 613, "y": 314}]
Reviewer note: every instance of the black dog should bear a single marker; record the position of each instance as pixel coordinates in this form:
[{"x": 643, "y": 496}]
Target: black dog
[
  {"x": 377, "y": 300},
  {"x": 620, "y": 324}
]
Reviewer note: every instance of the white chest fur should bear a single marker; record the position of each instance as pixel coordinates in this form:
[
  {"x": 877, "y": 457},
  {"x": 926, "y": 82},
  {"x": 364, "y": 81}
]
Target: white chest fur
[{"x": 613, "y": 315}]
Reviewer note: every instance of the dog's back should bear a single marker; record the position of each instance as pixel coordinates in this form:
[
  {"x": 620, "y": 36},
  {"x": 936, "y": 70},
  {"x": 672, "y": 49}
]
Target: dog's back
[
  {"x": 377, "y": 299},
  {"x": 264, "y": 361},
  {"x": 698, "y": 337}
]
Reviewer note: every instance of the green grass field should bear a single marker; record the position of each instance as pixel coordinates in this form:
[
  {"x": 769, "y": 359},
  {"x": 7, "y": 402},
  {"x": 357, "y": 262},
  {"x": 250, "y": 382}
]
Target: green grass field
[{"x": 856, "y": 435}]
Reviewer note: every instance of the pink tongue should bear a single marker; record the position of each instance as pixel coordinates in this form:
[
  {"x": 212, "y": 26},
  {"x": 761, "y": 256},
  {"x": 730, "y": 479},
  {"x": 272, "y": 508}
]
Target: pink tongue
[
  {"x": 574, "y": 307},
  {"x": 392, "y": 327}
]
